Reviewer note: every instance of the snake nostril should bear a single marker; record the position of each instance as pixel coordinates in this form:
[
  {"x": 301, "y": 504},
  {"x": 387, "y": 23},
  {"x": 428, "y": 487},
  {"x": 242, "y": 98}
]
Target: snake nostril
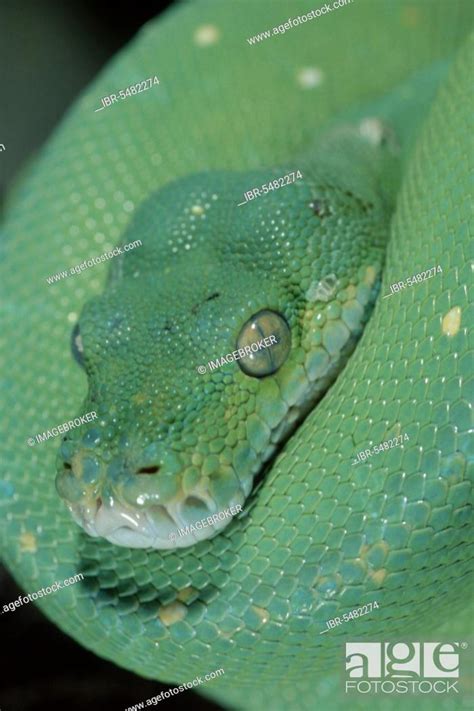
[
  {"x": 148, "y": 470},
  {"x": 66, "y": 465}
]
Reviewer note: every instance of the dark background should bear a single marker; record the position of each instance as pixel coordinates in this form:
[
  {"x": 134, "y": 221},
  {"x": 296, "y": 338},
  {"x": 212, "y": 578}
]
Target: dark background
[{"x": 49, "y": 51}]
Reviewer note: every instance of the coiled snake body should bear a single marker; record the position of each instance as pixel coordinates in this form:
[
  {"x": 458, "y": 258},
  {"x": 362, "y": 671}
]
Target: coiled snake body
[{"x": 319, "y": 535}]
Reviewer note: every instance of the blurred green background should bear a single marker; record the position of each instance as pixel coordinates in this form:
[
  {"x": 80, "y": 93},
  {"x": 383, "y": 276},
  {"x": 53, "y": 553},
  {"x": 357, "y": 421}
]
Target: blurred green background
[{"x": 49, "y": 51}]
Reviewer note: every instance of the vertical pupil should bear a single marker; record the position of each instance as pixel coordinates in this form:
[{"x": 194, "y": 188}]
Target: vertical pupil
[{"x": 76, "y": 345}]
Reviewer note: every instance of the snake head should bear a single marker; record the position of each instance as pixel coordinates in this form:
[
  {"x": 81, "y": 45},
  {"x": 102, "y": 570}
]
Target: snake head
[{"x": 214, "y": 339}]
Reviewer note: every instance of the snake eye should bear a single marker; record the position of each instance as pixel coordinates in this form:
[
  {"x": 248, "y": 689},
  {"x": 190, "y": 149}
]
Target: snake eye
[
  {"x": 266, "y": 340},
  {"x": 76, "y": 345}
]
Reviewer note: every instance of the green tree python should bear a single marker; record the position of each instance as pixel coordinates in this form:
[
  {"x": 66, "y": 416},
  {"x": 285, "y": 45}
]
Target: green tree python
[{"x": 371, "y": 104}]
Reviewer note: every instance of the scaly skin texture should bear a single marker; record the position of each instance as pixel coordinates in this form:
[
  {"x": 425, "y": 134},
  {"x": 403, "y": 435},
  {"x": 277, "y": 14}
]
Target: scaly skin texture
[
  {"x": 320, "y": 537},
  {"x": 168, "y": 453}
]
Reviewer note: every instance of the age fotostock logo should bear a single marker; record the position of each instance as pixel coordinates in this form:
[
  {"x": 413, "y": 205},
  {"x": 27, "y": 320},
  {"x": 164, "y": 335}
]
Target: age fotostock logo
[{"x": 402, "y": 667}]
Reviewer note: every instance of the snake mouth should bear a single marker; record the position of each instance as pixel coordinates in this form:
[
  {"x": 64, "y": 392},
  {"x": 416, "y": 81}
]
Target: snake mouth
[
  {"x": 161, "y": 497},
  {"x": 159, "y": 526}
]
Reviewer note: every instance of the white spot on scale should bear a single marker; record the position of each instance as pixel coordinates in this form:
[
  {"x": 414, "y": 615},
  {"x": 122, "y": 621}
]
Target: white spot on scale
[
  {"x": 372, "y": 129},
  {"x": 451, "y": 321},
  {"x": 206, "y": 35},
  {"x": 309, "y": 77},
  {"x": 28, "y": 543},
  {"x": 172, "y": 613},
  {"x": 197, "y": 209}
]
